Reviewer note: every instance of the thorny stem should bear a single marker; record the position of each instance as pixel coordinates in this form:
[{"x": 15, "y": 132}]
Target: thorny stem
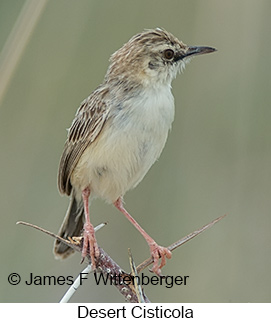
[{"x": 107, "y": 265}]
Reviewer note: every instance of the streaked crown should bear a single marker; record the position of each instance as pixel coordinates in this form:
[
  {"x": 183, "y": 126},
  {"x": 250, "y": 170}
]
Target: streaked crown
[{"x": 150, "y": 57}]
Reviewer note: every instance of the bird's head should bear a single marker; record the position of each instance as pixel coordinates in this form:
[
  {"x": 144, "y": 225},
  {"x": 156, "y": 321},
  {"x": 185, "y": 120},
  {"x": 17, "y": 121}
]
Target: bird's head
[{"x": 152, "y": 57}]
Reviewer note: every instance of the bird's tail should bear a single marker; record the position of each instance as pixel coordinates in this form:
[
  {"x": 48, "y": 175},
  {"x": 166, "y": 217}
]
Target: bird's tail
[{"x": 71, "y": 227}]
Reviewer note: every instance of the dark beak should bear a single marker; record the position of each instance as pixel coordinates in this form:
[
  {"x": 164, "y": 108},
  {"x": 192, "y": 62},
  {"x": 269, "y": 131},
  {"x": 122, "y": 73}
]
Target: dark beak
[{"x": 198, "y": 50}]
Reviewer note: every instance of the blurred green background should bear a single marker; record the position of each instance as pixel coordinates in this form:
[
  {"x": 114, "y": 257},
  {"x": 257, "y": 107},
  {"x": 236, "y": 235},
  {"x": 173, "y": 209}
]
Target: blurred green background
[{"x": 217, "y": 159}]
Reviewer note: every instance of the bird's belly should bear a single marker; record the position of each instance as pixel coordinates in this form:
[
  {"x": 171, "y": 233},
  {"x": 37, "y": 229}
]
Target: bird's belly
[
  {"x": 122, "y": 154},
  {"x": 117, "y": 163}
]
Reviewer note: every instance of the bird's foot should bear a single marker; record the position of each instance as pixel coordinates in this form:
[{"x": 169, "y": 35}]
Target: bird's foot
[
  {"x": 90, "y": 245},
  {"x": 159, "y": 252}
]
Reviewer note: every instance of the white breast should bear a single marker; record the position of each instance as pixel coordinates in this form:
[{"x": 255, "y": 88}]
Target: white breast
[{"x": 129, "y": 144}]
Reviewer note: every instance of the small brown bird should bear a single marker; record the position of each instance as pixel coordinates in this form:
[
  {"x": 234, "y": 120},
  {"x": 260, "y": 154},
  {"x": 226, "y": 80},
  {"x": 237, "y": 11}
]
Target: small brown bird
[{"x": 118, "y": 132}]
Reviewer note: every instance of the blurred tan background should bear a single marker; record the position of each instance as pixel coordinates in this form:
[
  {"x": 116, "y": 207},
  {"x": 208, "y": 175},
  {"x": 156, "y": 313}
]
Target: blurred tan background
[{"x": 216, "y": 161}]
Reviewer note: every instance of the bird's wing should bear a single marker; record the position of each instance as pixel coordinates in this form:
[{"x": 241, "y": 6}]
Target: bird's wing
[{"x": 86, "y": 126}]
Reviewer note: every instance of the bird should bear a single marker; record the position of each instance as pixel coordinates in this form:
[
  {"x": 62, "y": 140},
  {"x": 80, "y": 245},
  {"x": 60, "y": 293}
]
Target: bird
[{"x": 117, "y": 134}]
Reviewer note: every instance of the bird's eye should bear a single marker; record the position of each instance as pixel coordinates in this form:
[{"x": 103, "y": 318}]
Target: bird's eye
[{"x": 168, "y": 54}]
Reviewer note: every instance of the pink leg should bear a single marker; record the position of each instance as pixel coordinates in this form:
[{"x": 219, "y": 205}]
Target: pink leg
[
  {"x": 89, "y": 242},
  {"x": 156, "y": 250}
]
